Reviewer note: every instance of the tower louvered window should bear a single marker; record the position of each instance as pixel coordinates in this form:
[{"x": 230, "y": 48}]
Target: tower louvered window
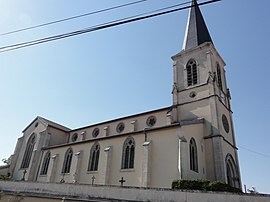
[
  {"x": 45, "y": 164},
  {"x": 28, "y": 151},
  {"x": 67, "y": 161},
  {"x": 219, "y": 77},
  {"x": 94, "y": 157},
  {"x": 128, "y": 153},
  {"x": 192, "y": 75},
  {"x": 193, "y": 155}
]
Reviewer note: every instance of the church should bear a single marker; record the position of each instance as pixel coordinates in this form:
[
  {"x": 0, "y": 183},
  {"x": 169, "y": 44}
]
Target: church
[{"x": 191, "y": 139}]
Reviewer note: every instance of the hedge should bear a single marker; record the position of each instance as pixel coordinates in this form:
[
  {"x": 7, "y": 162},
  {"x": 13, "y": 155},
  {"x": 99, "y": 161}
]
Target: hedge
[
  {"x": 205, "y": 185},
  {"x": 4, "y": 178}
]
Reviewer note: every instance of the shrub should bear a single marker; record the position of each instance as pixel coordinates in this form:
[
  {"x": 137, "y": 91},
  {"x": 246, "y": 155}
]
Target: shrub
[
  {"x": 202, "y": 184},
  {"x": 4, "y": 178}
]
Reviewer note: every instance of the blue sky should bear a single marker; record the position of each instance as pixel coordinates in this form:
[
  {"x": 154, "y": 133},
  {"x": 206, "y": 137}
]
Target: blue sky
[{"x": 126, "y": 70}]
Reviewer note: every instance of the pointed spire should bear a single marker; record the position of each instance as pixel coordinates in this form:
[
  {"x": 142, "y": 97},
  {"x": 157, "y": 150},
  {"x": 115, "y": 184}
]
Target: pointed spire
[{"x": 196, "y": 30}]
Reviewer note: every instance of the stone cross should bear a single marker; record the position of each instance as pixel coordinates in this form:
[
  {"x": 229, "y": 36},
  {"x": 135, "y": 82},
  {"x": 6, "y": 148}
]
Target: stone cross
[
  {"x": 122, "y": 181},
  {"x": 62, "y": 180},
  {"x": 93, "y": 179},
  {"x": 24, "y": 172}
]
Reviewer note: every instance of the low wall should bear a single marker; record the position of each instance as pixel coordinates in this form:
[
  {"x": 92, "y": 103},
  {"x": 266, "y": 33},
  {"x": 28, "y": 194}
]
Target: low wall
[{"x": 74, "y": 192}]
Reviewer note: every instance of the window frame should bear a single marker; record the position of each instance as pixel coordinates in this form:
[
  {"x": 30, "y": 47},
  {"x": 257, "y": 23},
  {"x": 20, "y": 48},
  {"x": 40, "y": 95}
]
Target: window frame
[
  {"x": 193, "y": 155},
  {"x": 28, "y": 151},
  {"x": 128, "y": 154},
  {"x": 67, "y": 161},
  {"x": 94, "y": 157},
  {"x": 192, "y": 73},
  {"x": 231, "y": 171},
  {"x": 45, "y": 163},
  {"x": 219, "y": 77}
]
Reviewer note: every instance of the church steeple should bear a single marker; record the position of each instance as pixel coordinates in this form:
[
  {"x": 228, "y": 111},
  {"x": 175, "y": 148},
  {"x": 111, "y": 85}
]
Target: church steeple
[{"x": 196, "y": 30}]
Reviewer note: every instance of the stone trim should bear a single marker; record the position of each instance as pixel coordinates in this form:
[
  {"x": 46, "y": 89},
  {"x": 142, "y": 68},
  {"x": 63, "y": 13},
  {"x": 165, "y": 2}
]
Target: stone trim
[
  {"x": 122, "y": 118},
  {"x": 114, "y": 136},
  {"x": 213, "y": 136},
  {"x": 191, "y": 121}
]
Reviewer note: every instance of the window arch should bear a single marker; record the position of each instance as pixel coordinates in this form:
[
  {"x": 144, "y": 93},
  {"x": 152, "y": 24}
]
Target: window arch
[
  {"x": 67, "y": 161},
  {"x": 45, "y": 164},
  {"x": 193, "y": 155},
  {"x": 94, "y": 157},
  {"x": 28, "y": 151},
  {"x": 231, "y": 172},
  {"x": 192, "y": 74},
  {"x": 128, "y": 153},
  {"x": 219, "y": 76}
]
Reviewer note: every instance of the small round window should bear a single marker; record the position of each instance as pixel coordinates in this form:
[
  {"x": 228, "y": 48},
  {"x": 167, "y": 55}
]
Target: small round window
[
  {"x": 74, "y": 137},
  {"x": 192, "y": 94},
  {"x": 151, "y": 121},
  {"x": 225, "y": 123},
  {"x": 95, "y": 132},
  {"x": 120, "y": 127}
]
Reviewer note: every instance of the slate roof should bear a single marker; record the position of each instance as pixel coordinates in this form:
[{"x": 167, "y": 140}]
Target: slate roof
[{"x": 196, "y": 30}]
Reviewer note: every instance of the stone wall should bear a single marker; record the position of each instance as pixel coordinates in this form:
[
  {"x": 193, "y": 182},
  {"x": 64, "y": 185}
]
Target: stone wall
[
  {"x": 4, "y": 170},
  {"x": 25, "y": 191}
]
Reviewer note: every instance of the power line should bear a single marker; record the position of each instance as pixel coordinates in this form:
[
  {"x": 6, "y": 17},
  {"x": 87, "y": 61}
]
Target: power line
[
  {"x": 73, "y": 17},
  {"x": 255, "y": 152},
  {"x": 43, "y": 40},
  {"x": 100, "y": 27}
]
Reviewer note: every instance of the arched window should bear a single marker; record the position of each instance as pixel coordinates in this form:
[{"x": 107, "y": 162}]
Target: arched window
[
  {"x": 67, "y": 161},
  {"x": 192, "y": 75},
  {"x": 28, "y": 151},
  {"x": 232, "y": 177},
  {"x": 219, "y": 77},
  {"x": 45, "y": 164},
  {"x": 128, "y": 153},
  {"x": 94, "y": 157},
  {"x": 193, "y": 155}
]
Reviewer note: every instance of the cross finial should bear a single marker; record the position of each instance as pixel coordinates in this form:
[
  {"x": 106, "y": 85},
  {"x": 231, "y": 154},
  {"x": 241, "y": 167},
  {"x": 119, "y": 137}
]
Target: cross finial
[
  {"x": 93, "y": 179},
  {"x": 62, "y": 180},
  {"x": 24, "y": 172},
  {"x": 122, "y": 181}
]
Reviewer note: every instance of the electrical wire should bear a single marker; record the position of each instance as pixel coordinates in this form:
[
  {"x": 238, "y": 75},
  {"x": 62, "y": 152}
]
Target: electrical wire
[
  {"x": 255, "y": 152},
  {"x": 73, "y": 17},
  {"x": 101, "y": 26}
]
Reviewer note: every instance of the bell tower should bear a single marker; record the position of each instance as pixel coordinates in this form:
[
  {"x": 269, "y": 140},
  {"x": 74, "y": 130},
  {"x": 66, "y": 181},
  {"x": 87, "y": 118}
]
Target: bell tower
[{"x": 200, "y": 92}]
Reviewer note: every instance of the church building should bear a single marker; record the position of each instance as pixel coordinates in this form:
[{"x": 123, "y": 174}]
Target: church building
[{"x": 191, "y": 139}]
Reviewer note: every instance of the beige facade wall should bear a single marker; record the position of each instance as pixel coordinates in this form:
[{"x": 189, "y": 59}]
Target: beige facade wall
[
  {"x": 199, "y": 109},
  {"x": 57, "y": 136},
  {"x": 164, "y": 143},
  {"x": 33, "y": 128},
  {"x": 195, "y": 131},
  {"x": 164, "y": 156}
]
